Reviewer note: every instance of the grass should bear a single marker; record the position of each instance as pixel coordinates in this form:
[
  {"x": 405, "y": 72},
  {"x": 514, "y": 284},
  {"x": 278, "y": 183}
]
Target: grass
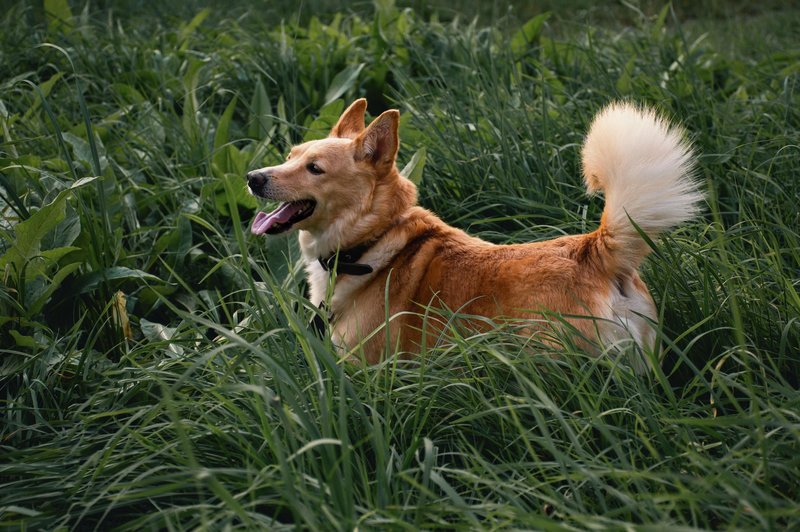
[{"x": 156, "y": 367}]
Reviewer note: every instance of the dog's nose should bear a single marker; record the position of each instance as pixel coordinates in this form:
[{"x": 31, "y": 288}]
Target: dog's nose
[{"x": 256, "y": 179}]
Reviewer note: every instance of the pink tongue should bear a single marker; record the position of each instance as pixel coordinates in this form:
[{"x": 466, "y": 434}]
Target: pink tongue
[{"x": 281, "y": 215}]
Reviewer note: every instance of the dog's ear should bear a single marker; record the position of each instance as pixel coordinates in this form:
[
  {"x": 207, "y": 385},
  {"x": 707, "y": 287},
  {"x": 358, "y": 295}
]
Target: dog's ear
[
  {"x": 378, "y": 143},
  {"x": 351, "y": 123}
]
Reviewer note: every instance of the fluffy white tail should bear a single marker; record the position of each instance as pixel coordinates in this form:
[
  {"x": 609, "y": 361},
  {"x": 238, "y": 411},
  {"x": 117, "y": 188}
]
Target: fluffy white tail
[{"x": 644, "y": 168}]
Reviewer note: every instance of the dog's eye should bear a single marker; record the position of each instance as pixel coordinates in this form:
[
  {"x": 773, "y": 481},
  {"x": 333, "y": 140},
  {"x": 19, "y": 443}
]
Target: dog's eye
[{"x": 314, "y": 169}]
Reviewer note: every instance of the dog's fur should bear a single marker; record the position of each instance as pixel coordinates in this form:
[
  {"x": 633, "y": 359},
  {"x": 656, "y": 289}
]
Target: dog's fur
[{"x": 641, "y": 164}]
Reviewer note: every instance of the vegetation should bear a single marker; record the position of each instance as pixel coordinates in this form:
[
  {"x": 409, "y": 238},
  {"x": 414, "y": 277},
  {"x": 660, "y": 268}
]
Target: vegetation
[{"x": 156, "y": 367}]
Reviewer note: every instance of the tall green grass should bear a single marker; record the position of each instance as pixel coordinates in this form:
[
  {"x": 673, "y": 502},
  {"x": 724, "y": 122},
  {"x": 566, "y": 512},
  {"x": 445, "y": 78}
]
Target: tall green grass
[{"x": 125, "y": 136}]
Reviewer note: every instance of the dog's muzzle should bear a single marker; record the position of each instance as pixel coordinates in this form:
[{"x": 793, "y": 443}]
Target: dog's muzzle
[{"x": 257, "y": 181}]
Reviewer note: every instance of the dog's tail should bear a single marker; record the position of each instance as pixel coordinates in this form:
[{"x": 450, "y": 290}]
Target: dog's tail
[{"x": 644, "y": 168}]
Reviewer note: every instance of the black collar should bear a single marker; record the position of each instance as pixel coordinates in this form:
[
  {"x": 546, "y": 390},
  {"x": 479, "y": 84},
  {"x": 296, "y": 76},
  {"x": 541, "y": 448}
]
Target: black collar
[{"x": 346, "y": 261}]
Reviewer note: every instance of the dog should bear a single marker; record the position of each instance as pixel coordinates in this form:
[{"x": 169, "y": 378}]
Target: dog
[{"x": 366, "y": 243}]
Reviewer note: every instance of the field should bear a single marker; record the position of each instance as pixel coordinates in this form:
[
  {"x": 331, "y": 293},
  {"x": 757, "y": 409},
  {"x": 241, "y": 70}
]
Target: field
[{"x": 156, "y": 370}]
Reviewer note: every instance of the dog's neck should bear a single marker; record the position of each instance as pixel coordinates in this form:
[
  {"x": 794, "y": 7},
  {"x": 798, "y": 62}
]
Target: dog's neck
[
  {"x": 393, "y": 195},
  {"x": 345, "y": 260}
]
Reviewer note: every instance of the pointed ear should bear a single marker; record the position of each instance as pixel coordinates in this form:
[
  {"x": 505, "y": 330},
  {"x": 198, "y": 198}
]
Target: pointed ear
[
  {"x": 379, "y": 142},
  {"x": 351, "y": 123}
]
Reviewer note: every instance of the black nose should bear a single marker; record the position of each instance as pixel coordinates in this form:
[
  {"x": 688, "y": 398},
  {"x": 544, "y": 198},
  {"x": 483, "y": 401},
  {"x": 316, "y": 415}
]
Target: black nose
[{"x": 256, "y": 179}]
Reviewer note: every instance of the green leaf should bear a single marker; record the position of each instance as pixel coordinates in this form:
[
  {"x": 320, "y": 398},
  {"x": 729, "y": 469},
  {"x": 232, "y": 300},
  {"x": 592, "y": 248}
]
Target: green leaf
[
  {"x": 328, "y": 116},
  {"x": 178, "y": 240},
  {"x": 92, "y": 280},
  {"x": 59, "y": 16},
  {"x": 30, "y": 233},
  {"x": 65, "y": 233},
  {"x": 224, "y": 156},
  {"x": 386, "y": 14},
  {"x": 413, "y": 170},
  {"x": 385, "y": 8},
  {"x": 315, "y": 30},
  {"x": 82, "y": 150},
  {"x": 527, "y": 34},
  {"x": 342, "y": 82},
  {"x": 658, "y": 26},
  {"x": 54, "y": 255},
  {"x": 190, "y": 104},
  {"x": 22, "y": 340},
  {"x": 221, "y": 135},
  {"x": 13, "y": 509},
  {"x": 241, "y": 195},
  {"x": 261, "y": 121},
  {"x": 625, "y": 79},
  {"x": 189, "y": 28},
  {"x": 44, "y": 91},
  {"x": 283, "y": 129},
  {"x": 40, "y": 299},
  {"x": 127, "y": 93}
]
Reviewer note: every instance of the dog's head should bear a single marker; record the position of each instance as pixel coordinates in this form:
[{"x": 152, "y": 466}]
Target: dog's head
[{"x": 332, "y": 180}]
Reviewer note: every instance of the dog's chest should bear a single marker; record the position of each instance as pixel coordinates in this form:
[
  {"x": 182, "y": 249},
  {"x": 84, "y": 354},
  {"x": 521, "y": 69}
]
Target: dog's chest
[{"x": 345, "y": 287}]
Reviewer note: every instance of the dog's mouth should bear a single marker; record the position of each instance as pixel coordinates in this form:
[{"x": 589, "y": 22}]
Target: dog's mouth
[{"x": 283, "y": 218}]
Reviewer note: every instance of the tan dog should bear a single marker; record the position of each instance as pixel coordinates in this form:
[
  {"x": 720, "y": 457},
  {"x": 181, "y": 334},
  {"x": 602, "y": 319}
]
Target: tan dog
[{"x": 358, "y": 215}]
